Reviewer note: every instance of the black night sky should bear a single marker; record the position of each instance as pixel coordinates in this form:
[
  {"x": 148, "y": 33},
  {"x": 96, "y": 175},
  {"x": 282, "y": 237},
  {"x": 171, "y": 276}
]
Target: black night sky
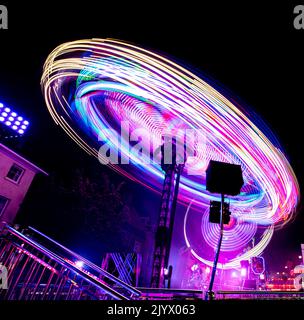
[{"x": 251, "y": 49}]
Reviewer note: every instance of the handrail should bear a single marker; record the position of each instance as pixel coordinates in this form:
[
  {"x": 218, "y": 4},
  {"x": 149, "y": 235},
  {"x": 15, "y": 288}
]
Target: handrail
[
  {"x": 89, "y": 263},
  {"x": 46, "y": 264},
  {"x": 61, "y": 261}
]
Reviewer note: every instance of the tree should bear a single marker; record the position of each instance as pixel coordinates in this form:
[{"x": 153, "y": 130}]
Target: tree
[{"x": 87, "y": 209}]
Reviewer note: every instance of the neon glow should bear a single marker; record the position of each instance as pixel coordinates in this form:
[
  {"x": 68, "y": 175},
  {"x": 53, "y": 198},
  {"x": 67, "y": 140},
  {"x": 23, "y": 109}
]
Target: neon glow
[
  {"x": 243, "y": 272},
  {"x": 194, "y": 267},
  {"x": 234, "y": 274},
  {"x": 93, "y": 85},
  {"x": 79, "y": 264}
]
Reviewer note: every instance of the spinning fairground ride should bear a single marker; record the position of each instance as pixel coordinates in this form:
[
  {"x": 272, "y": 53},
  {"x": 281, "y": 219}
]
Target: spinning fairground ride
[{"x": 118, "y": 101}]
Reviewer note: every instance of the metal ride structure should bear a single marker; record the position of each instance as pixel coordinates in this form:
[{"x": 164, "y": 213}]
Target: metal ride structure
[
  {"x": 94, "y": 86},
  {"x": 173, "y": 170},
  {"x": 123, "y": 265}
]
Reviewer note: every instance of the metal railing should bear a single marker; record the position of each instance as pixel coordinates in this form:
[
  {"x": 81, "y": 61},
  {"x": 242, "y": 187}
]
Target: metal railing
[{"x": 39, "y": 268}]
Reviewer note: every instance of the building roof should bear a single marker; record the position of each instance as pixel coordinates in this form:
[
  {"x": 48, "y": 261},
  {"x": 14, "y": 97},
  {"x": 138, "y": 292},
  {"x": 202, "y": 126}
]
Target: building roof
[{"x": 13, "y": 155}]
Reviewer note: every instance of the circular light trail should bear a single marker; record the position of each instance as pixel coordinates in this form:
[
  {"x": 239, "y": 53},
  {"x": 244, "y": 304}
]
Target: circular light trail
[
  {"x": 237, "y": 244},
  {"x": 94, "y": 85}
]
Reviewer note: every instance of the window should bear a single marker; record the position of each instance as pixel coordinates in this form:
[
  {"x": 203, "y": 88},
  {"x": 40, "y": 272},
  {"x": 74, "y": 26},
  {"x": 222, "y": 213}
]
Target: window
[
  {"x": 3, "y": 203},
  {"x": 15, "y": 173}
]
